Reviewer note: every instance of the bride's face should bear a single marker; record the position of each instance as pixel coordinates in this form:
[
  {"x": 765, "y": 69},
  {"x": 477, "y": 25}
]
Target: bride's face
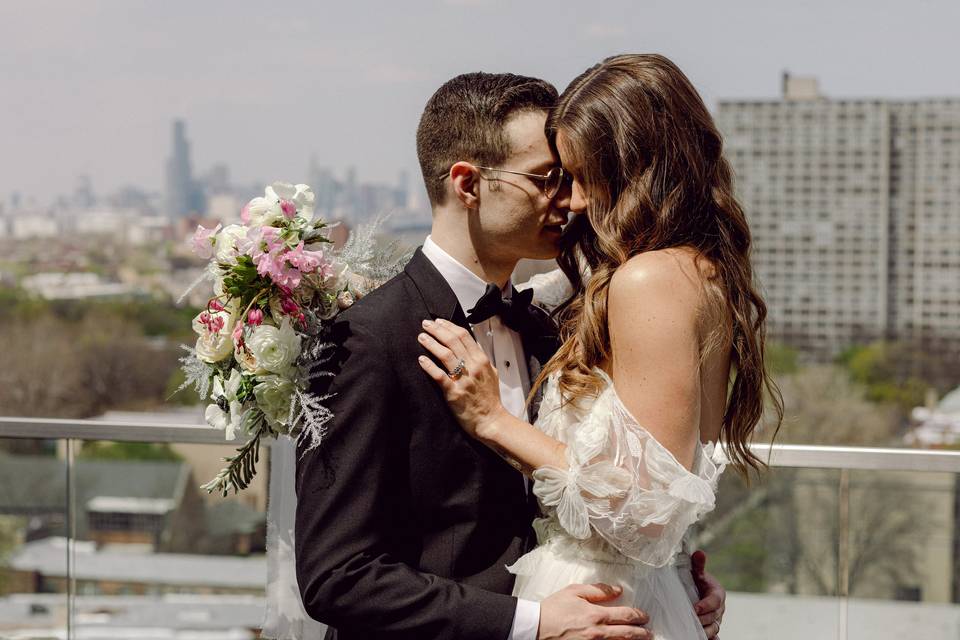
[{"x": 578, "y": 198}]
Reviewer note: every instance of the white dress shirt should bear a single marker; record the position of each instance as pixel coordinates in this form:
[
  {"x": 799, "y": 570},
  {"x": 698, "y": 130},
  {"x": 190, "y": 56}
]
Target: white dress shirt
[{"x": 505, "y": 349}]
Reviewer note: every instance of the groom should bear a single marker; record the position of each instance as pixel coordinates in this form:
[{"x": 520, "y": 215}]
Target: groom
[{"x": 404, "y": 523}]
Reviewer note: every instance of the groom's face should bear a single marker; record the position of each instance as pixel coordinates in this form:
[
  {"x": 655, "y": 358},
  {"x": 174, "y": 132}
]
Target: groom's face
[{"x": 515, "y": 217}]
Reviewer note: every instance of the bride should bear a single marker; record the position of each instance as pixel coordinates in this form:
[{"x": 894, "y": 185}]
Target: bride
[{"x": 663, "y": 348}]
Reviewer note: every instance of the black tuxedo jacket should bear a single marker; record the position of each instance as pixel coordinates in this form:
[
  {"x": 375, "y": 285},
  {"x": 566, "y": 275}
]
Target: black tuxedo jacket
[{"x": 404, "y": 523}]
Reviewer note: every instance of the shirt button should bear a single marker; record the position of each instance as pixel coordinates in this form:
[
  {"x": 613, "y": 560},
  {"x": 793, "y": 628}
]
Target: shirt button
[{"x": 507, "y": 362}]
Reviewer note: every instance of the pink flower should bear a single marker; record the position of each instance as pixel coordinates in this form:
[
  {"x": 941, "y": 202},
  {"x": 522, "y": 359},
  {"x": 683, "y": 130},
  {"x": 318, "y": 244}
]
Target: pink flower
[
  {"x": 213, "y": 324},
  {"x": 289, "y": 307},
  {"x": 308, "y": 261},
  {"x": 204, "y": 240},
  {"x": 274, "y": 265},
  {"x": 289, "y": 209},
  {"x": 258, "y": 241},
  {"x": 238, "y": 334},
  {"x": 255, "y": 316},
  {"x": 215, "y": 304}
]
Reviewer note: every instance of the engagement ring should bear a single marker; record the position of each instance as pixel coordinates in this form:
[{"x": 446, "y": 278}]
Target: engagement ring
[{"x": 458, "y": 371}]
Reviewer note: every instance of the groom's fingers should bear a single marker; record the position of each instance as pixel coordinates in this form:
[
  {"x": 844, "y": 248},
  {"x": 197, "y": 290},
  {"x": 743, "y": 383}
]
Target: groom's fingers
[
  {"x": 711, "y": 603},
  {"x": 598, "y": 592},
  {"x": 624, "y": 615},
  {"x": 625, "y": 632},
  {"x": 708, "y": 619}
]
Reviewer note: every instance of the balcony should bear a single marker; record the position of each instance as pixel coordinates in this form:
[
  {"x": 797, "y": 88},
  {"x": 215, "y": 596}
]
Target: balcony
[{"x": 834, "y": 543}]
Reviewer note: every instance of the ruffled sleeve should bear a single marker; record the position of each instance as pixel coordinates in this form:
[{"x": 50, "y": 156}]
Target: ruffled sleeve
[{"x": 624, "y": 485}]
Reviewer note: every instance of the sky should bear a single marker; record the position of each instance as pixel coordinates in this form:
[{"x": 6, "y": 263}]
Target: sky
[{"x": 92, "y": 87}]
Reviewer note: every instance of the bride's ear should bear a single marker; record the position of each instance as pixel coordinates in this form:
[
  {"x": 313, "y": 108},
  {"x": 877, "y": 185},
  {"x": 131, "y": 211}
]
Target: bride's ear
[{"x": 466, "y": 184}]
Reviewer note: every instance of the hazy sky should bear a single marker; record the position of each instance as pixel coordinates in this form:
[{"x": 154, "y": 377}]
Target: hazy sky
[{"x": 91, "y": 87}]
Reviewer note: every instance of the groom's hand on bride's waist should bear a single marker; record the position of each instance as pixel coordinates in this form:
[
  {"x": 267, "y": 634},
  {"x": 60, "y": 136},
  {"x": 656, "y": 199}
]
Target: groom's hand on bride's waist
[
  {"x": 575, "y": 613},
  {"x": 713, "y": 597}
]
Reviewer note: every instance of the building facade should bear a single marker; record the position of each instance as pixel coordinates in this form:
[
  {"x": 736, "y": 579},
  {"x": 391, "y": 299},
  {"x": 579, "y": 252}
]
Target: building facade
[{"x": 854, "y": 207}]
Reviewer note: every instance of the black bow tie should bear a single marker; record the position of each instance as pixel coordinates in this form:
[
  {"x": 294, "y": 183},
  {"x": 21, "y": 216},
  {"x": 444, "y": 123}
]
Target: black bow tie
[{"x": 514, "y": 311}]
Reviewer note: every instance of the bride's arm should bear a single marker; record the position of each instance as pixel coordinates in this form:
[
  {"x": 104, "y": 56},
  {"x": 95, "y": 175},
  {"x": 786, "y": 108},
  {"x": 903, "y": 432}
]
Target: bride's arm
[
  {"x": 653, "y": 315},
  {"x": 475, "y": 399}
]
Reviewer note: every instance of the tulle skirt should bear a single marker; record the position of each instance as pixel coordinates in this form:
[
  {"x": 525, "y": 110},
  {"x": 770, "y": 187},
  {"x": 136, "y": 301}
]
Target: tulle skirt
[{"x": 667, "y": 594}]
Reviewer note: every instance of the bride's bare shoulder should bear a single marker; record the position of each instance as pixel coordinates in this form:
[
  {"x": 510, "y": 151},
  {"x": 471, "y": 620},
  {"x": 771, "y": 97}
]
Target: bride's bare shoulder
[{"x": 677, "y": 273}]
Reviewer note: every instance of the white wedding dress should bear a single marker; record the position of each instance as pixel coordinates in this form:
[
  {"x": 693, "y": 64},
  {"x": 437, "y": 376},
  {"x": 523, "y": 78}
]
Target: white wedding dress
[{"x": 619, "y": 513}]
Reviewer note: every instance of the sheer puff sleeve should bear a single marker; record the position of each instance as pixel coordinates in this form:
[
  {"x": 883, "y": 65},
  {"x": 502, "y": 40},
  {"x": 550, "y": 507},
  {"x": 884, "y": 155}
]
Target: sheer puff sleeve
[{"x": 621, "y": 482}]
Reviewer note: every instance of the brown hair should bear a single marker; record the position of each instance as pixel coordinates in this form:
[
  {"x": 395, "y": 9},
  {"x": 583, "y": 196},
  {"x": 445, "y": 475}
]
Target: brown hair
[
  {"x": 651, "y": 162},
  {"x": 464, "y": 120}
]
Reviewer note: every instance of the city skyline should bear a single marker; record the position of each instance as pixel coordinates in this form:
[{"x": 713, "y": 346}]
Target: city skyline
[{"x": 99, "y": 82}]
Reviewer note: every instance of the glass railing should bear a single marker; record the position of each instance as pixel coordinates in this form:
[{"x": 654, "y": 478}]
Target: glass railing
[
  {"x": 839, "y": 543},
  {"x": 105, "y": 533}
]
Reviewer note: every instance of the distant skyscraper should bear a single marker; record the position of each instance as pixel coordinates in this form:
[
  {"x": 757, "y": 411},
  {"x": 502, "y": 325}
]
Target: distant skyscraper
[
  {"x": 854, "y": 207},
  {"x": 83, "y": 197},
  {"x": 183, "y": 194}
]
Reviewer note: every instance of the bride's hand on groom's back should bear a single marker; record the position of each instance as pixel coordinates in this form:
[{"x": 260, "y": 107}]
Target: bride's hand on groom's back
[{"x": 577, "y": 613}]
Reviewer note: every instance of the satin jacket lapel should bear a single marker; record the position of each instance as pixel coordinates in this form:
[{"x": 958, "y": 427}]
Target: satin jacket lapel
[
  {"x": 539, "y": 345},
  {"x": 437, "y": 295}
]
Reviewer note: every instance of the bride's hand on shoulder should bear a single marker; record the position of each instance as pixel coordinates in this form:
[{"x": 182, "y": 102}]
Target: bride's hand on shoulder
[{"x": 468, "y": 379}]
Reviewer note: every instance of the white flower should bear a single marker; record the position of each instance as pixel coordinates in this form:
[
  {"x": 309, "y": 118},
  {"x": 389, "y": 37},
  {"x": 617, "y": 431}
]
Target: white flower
[
  {"x": 262, "y": 212},
  {"x": 300, "y": 195},
  {"x": 229, "y": 423},
  {"x": 214, "y": 329},
  {"x": 273, "y": 394},
  {"x": 304, "y": 199},
  {"x": 275, "y": 349},
  {"x": 216, "y": 416},
  {"x": 247, "y": 361},
  {"x": 227, "y": 242}
]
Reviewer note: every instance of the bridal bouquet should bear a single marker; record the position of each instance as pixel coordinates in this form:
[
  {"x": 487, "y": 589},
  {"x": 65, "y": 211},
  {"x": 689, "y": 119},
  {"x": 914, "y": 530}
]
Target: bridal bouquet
[{"x": 276, "y": 281}]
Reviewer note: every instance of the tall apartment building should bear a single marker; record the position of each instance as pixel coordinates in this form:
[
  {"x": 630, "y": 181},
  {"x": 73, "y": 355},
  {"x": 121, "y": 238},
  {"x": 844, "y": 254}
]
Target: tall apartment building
[{"x": 854, "y": 207}]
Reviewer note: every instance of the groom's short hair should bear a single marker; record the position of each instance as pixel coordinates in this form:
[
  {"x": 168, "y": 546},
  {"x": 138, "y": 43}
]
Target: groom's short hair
[{"x": 464, "y": 120}]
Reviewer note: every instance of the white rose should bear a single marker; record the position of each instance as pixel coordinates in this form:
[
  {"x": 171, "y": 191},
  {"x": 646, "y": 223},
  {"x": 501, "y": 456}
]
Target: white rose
[
  {"x": 275, "y": 349},
  {"x": 214, "y": 344},
  {"x": 247, "y": 361},
  {"x": 227, "y": 242},
  {"x": 273, "y": 394}
]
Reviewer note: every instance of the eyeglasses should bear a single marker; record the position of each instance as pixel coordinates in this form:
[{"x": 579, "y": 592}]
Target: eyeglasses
[{"x": 552, "y": 181}]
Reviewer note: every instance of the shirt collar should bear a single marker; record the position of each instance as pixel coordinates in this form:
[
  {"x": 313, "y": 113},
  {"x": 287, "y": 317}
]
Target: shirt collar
[{"x": 466, "y": 285}]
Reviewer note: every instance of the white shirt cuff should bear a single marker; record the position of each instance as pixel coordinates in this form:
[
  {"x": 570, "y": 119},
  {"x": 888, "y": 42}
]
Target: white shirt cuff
[{"x": 526, "y": 621}]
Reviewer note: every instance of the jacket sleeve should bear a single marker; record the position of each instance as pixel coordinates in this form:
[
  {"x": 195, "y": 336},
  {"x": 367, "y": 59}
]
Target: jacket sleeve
[{"x": 352, "y": 494}]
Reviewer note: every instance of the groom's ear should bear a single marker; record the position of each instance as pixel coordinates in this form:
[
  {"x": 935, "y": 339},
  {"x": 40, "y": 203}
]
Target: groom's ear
[{"x": 465, "y": 179}]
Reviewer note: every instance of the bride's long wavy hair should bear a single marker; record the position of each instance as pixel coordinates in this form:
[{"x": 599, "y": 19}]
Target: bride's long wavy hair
[{"x": 651, "y": 164}]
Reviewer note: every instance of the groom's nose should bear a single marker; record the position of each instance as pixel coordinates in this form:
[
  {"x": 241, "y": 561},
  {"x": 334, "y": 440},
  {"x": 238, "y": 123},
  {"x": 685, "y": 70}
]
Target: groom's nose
[{"x": 562, "y": 199}]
